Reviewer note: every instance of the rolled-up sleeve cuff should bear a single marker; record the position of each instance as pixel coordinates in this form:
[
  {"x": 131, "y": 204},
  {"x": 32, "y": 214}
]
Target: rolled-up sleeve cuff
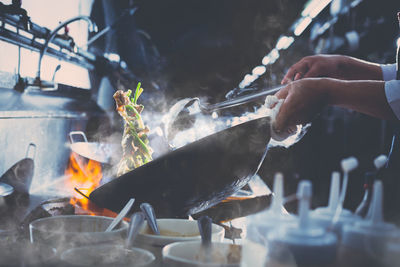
[
  {"x": 388, "y": 72},
  {"x": 392, "y": 91}
]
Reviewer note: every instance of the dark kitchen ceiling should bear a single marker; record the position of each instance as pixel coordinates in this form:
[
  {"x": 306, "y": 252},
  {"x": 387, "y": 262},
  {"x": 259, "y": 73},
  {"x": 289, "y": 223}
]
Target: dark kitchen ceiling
[{"x": 197, "y": 48}]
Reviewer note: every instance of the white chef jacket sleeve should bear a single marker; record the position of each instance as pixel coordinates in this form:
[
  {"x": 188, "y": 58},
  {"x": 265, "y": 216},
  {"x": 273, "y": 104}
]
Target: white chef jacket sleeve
[
  {"x": 392, "y": 91},
  {"x": 388, "y": 72}
]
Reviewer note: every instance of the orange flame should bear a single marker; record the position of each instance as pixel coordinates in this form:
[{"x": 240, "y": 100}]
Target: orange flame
[{"x": 84, "y": 174}]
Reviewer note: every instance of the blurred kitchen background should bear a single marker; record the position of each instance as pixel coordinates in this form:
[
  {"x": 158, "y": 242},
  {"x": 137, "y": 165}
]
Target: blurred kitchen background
[{"x": 184, "y": 48}]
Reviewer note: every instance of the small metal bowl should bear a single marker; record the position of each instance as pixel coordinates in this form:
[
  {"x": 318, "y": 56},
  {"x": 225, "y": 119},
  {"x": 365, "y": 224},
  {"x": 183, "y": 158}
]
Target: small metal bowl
[
  {"x": 107, "y": 255},
  {"x": 64, "y": 232}
]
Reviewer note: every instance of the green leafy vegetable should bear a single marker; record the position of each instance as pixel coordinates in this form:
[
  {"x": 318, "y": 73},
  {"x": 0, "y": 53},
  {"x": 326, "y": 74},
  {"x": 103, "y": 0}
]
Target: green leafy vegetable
[{"x": 135, "y": 143}]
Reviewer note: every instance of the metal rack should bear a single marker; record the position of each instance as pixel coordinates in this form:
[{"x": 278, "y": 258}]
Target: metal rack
[
  {"x": 16, "y": 28},
  {"x": 33, "y": 37}
]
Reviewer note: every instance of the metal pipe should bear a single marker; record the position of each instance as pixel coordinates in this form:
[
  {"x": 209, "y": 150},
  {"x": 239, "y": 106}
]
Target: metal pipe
[
  {"x": 53, "y": 34},
  {"x": 129, "y": 12},
  {"x": 36, "y": 30}
]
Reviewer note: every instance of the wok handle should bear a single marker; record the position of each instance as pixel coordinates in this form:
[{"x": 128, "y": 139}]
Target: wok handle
[{"x": 75, "y": 133}]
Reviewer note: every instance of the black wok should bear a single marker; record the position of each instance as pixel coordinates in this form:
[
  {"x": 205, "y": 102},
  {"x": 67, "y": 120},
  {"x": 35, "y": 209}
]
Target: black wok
[
  {"x": 21, "y": 173},
  {"x": 194, "y": 177}
]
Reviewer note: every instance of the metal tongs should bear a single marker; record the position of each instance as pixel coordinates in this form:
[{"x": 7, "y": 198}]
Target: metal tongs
[
  {"x": 235, "y": 101},
  {"x": 180, "y": 117}
]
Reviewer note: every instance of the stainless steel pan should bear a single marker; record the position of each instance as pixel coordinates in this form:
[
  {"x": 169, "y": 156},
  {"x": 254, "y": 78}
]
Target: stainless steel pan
[{"x": 90, "y": 150}]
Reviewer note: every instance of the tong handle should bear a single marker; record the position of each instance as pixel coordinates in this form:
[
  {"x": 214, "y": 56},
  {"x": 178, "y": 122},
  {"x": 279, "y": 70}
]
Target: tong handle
[{"x": 135, "y": 225}]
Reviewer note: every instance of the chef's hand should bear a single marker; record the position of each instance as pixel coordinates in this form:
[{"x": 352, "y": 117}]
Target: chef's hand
[
  {"x": 315, "y": 66},
  {"x": 333, "y": 66},
  {"x": 303, "y": 99}
]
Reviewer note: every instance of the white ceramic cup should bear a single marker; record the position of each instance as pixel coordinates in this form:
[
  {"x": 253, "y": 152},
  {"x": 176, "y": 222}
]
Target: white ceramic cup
[
  {"x": 64, "y": 232},
  {"x": 188, "y": 254},
  {"x": 187, "y": 230}
]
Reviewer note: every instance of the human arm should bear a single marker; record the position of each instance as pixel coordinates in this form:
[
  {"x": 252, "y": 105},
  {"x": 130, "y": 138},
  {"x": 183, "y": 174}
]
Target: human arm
[
  {"x": 388, "y": 72},
  {"x": 333, "y": 66},
  {"x": 307, "y": 97},
  {"x": 392, "y": 91}
]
